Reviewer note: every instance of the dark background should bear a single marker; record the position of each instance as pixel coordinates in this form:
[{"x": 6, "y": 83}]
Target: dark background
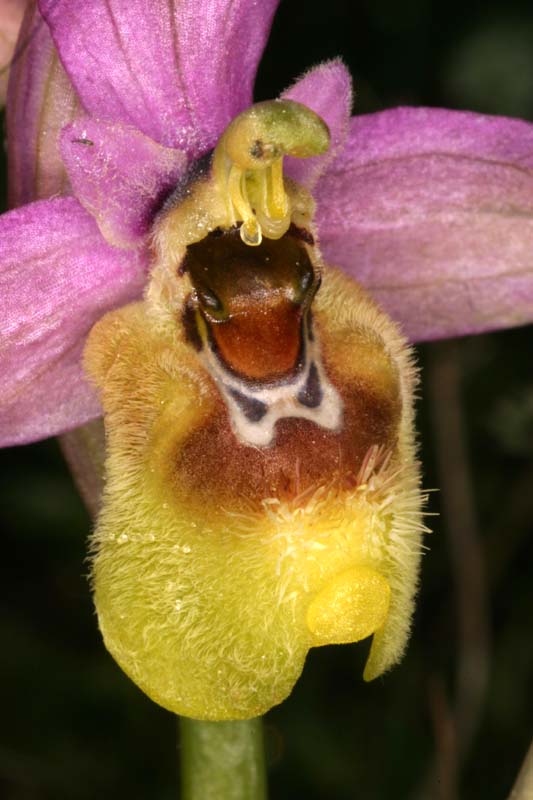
[{"x": 73, "y": 727}]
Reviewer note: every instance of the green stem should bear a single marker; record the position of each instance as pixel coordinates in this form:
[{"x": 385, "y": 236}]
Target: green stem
[{"x": 222, "y": 760}]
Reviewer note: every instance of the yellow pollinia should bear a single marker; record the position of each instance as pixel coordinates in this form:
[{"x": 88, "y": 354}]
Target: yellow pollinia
[{"x": 260, "y": 499}]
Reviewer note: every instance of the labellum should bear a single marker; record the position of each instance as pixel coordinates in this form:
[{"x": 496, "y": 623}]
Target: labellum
[{"x": 262, "y": 490}]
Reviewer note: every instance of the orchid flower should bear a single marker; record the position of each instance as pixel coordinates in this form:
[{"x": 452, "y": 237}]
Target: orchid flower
[{"x": 246, "y": 518}]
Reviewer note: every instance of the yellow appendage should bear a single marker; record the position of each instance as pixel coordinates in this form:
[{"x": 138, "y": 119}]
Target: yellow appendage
[{"x": 350, "y": 607}]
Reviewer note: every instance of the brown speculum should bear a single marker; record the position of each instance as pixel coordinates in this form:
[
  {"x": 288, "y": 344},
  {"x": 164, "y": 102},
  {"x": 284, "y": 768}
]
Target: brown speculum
[
  {"x": 254, "y": 300},
  {"x": 293, "y": 412}
]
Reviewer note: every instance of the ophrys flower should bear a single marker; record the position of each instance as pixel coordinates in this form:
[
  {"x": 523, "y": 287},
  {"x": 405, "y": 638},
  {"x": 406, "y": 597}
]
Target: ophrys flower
[
  {"x": 385, "y": 204},
  {"x": 262, "y": 492}
]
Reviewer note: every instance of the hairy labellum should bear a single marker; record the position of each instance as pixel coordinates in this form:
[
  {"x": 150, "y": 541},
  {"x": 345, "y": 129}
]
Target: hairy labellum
[{"x": 262, "y": 489}]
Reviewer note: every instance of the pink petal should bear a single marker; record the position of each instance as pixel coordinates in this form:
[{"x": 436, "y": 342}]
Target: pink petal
[
  {"x": 432, "y": 211},
  {"x": 327, "y": 90},
  {"x": 41, "y": 101},
  {"x": 179, "y": 71},
  {"x": 119, "y": 175},
  {"x": 11, "y": 13},
  {"x": 57, "y": 277}
]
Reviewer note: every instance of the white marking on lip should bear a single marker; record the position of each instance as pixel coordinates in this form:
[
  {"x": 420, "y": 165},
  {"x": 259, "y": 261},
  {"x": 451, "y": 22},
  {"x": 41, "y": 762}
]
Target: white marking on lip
[{"x": 280, "y": 400}]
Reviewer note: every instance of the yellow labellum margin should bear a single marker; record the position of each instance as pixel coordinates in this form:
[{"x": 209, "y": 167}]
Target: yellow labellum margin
[{"x": 262, "y": 490}]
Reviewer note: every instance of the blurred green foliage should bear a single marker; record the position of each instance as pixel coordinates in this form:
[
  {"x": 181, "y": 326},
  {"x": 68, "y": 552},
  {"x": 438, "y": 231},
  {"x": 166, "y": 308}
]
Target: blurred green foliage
[{"x": 74, "y": 727}]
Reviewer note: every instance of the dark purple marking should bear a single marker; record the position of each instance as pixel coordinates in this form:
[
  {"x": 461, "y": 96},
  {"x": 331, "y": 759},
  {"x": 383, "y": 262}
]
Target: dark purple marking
[
  {"x": 311, "y": 394},
  {"x": 254, "y": 410},
  {"x": 190, "y": 326}
]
